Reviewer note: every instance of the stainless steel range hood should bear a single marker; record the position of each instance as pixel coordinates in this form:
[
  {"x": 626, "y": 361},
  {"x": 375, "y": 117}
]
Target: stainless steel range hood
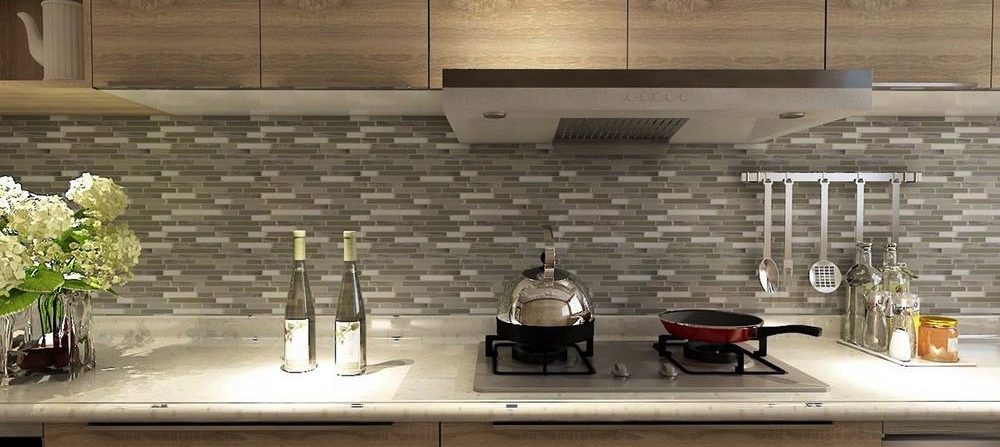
[{"x": 625, "y": 110}]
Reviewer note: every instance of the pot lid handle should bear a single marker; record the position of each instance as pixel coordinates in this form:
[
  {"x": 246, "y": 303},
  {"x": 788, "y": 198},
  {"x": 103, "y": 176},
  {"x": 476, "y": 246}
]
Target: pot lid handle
[{"x": 549, "y": 272}]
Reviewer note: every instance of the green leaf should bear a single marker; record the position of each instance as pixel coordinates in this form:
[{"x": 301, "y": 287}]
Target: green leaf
[
  {"x": 79, "y": 284},
  {"x": 18, "y": 301},
  {"x": 42, "y": 280},
  {"x": 69, "y": 237}
]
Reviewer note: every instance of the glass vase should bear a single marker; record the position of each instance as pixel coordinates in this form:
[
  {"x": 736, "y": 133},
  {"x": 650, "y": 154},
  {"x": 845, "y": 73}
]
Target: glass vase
[
  {"x": 7, "y": 357},
  {"x": 57, "y": 337}
]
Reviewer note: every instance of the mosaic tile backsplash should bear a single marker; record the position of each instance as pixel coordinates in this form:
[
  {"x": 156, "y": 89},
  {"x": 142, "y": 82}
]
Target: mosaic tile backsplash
[{"x": 443, "y": 225}]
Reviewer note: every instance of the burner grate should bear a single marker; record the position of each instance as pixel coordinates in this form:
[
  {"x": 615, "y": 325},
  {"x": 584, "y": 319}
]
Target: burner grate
[
  {"x": 494, "y": 345},
  {"x": 740, "y": 353}
]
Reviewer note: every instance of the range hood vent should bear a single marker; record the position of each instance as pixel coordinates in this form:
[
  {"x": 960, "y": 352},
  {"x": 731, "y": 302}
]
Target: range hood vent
[
  {"x": 630, "y": 109},
  {"x": 592, "y": 134}
]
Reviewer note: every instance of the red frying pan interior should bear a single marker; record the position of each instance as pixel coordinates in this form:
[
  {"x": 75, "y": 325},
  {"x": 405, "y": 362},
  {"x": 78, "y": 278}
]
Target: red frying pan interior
[{"x": 711, "y": 326}]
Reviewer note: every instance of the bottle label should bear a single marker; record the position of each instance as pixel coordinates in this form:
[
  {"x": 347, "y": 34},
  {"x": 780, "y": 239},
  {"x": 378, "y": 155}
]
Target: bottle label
[
  {"x": 348, "y": 354},
  {"x": 297, "y": 346}
]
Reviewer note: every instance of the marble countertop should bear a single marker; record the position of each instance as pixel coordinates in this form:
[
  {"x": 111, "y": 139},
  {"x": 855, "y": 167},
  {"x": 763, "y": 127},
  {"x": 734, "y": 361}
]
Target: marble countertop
[{"x": 160, "y": 369}]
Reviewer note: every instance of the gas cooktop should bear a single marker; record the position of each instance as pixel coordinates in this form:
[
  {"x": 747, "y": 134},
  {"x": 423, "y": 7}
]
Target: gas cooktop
[{"x": 639, "y": 366}]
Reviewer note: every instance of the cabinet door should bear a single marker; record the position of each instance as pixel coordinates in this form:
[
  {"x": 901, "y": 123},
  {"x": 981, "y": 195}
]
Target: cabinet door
[
  {"x": 344, "y": 43},
  {"x": 733, "y": 34},
  {"x": 868, "y": 434},
  {"x": 389, "y": 435},
  {"x": 527, "y": 34},
  {"x": 176, "y": 43},
  {"x": 912, "y": 40},
  {"x": 996, "y": 45}
]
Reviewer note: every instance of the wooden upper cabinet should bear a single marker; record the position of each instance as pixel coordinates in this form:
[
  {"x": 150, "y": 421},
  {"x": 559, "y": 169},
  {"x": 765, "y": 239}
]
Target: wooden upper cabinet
[
  {"x": 912, "y": 40},
  {"x": 344, "y": 43},
  {"x": 176, "y": 43},
  {"x": 840, "y": 434},
  {"x": 720, "y": 34},
  {"x": 527, "y": 34},
  {"x": 408, "y": 434},
  {"x": 996, "y": 44}
]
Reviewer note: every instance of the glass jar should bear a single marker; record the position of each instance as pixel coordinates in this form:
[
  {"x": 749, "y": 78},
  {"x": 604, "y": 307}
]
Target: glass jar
[{"x": 938, "y": 339}]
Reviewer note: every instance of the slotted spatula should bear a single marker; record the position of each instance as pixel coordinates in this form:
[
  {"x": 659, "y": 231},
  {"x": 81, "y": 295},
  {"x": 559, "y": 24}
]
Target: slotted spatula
[{"x": 824, "y": 275}]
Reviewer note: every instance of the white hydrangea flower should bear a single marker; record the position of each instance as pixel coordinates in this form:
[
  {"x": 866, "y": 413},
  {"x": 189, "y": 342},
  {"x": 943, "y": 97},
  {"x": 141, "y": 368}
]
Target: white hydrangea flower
[
  {"x": 10, "y": 194},
  {"x": 40, "y": 217},
  {"x": 108, "y": 257},
  {"x": 98, "y": 194},
  {"x": 13, "y": 261}
]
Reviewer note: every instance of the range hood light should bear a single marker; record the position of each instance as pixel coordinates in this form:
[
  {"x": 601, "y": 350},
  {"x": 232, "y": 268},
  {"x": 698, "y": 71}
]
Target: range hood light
[
  {"x": 792, "y": 115},
  {"x": 494, "y": 115}
]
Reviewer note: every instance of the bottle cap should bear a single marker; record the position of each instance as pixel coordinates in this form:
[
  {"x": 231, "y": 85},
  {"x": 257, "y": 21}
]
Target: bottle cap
[
  {"x": 350, "y": 233},
  {"x": 299, "y": 233}
]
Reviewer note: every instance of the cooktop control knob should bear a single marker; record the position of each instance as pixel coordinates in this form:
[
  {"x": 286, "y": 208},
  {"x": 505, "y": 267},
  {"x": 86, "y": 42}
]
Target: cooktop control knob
[
  {"x": 620, "y": 370},
  {"x": 668, "y": 370}
]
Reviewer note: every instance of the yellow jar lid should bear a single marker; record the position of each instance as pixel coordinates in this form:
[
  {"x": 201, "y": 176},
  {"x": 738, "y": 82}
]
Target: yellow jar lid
[{"x": 938, "y": 321}]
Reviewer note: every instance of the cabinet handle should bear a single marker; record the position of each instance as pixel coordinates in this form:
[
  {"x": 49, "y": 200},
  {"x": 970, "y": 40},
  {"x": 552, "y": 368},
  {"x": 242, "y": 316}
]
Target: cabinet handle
[
  {"x": 919, "y": 86},
  {"x": 660, "y": 426},
  {"x": 193, "y": 427}
]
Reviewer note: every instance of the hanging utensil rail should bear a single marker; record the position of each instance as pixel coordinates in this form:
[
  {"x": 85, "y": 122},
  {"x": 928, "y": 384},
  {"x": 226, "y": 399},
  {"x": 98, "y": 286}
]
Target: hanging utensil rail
[{"x": 868, "y": 177}]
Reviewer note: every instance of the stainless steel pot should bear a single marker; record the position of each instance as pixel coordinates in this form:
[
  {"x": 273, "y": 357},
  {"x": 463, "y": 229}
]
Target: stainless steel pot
[{"x": 545, "y": 296}]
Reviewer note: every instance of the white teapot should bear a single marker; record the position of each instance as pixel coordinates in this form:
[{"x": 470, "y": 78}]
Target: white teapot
[{"x": 60, "y": 52}]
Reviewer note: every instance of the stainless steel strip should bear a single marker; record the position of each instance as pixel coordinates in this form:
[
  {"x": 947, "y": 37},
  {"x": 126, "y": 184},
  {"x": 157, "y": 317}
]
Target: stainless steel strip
[
  {"x": 837, "y": 177},
  {"x": 787, "y": 261},
  {"x": 895, "y": 211},
  {"x": 768, "y": 194},
  {"x": 824, "y": 205},
  {"x": 859, "y": 225}
]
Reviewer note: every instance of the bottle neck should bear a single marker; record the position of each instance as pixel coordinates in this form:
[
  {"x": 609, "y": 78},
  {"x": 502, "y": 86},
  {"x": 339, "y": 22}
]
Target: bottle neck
[
  {"x": 866, "y": 256},
  {"x": 299, "y": 265},
  {"x": 350, "y": 250},
  {"x": 890, "y": 258},
  {"x": 299, "y": 249}
]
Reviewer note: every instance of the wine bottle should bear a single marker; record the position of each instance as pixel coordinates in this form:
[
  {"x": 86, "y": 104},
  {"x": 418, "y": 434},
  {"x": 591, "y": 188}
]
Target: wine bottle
[
  {"x": 350, "y": 332},
  {"x": 863, "y": 279},
  {"x": 300, "y": 314}
]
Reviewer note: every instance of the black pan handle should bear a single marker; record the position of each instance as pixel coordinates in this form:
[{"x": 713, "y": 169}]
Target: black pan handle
[{"x": 767, "y": 331}]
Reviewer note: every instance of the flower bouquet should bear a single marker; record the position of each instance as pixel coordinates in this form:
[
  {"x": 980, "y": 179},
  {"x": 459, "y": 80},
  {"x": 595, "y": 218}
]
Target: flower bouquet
[{"x": 51, "y": 259}]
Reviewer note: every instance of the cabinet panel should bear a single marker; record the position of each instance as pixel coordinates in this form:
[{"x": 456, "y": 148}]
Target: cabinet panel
[
  {"x": 527, "y": 34},
  {"x": 996, "y": 45},
  {"x": 176, "y": 43},
  {"x": 15, "y": 61},
  {"x": 912, "y": 40},
  {"x": 866, "y": 434},
  {"x": 735, "y": 34},
  {"x": 416, "y": 435},
  {"x": 344, "y": 43}
]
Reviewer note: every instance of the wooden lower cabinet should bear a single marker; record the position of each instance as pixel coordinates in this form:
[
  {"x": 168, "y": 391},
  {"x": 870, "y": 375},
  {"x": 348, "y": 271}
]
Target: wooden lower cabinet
[
  {"x": 362, "y": 435},
  {"x": 847, "y": 434}
]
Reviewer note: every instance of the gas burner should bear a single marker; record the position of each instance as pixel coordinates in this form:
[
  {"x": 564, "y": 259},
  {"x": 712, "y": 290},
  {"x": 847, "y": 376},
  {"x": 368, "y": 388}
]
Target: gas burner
[
  {"x": 710, "y": 352},
  {"x": 712, "y": 356},
  {"x": 539, "y": 354}
]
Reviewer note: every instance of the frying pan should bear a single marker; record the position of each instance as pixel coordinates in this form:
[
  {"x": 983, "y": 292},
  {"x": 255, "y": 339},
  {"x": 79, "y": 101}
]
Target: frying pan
[{"x": 716, "y": 326}]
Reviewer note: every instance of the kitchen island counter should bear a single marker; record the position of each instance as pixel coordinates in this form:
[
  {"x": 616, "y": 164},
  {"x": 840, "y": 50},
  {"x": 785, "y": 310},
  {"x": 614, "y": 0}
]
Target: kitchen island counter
[{"x": 227, "y": 370}]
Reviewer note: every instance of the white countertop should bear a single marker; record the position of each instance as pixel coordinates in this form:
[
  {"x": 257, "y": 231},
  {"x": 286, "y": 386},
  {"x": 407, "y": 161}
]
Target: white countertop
[{"x": 162, "y": 370}]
